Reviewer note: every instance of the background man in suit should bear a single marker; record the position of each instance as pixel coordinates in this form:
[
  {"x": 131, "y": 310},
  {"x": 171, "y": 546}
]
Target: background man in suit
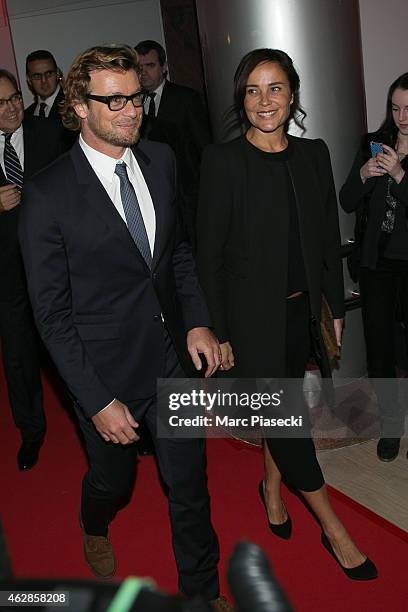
[
  {"x": 24, "y": 149},
  {"x": 176, "y": 115},
  {"x": 44, "y": 80},
  {"x": 117, "y": 302}
]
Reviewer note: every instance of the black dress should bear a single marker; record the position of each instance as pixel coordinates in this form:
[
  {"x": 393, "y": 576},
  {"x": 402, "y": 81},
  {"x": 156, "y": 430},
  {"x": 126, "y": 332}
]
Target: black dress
[{"x": 267, "y": 214}]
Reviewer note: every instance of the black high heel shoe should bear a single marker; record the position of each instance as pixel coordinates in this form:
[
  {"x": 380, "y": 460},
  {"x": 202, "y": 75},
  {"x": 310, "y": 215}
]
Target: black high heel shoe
[
  {"x": 282, "y": 530},
  {"x": 364, "y": 571}
]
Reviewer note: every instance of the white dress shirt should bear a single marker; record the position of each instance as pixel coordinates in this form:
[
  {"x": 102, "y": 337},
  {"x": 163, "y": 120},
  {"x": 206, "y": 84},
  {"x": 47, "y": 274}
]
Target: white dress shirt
[
  {"x": 48, "y": 101},
  {"x": 104, "y": 167},
  {"x": 18, "y": 143}
]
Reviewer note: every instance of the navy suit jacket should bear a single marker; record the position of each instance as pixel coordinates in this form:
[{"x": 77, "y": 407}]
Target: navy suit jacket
[{"x": 96, "y": 303}]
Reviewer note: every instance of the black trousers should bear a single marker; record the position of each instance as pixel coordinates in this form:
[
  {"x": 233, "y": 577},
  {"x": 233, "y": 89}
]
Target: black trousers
[
  {"x": 296, "y": 457},
  {"x": 21, "y": 365},
  {"x": 383, "y": 291},
  {"x": 182, "y": 462}
]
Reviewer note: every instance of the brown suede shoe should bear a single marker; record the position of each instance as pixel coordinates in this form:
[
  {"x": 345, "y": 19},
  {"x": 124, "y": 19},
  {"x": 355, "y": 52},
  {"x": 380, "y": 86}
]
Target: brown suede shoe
[
  {"x": 99, "y": 555},
  {"x": 221, "y": 605}
]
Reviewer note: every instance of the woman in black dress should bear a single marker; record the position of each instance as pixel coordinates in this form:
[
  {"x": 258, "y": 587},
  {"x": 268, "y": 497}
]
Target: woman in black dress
[
  {"x": 268, "y": 248},
  {"x": 377, "y": 189}
]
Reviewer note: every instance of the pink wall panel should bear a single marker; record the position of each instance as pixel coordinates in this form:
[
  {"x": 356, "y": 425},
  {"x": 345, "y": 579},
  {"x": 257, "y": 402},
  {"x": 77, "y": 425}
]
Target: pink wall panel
[{"x": 7, "y": 58}]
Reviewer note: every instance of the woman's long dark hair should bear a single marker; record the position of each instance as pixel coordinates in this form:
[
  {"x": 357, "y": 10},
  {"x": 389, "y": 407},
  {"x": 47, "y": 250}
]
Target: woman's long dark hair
[
  {"x": 235, "y": 115},
  {"x": 388, "y": 131}
]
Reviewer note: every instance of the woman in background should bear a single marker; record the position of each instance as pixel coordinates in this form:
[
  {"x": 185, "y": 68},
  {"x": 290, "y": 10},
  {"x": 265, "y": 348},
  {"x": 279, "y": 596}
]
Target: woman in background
[
  {"x": 268, "y": 248},
  {"x": 377, "y": 189}
]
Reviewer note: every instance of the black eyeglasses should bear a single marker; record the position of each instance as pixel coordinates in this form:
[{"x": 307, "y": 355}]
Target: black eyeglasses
[
  {"x": 16, "y": 98},
  {"x": 117, "y": 102}
]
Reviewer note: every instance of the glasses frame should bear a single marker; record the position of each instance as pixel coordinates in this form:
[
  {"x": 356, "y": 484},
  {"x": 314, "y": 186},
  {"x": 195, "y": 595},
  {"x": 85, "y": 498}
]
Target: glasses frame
[
  {"x": 37, "y": 76},
  {"x": 108, "y": 99},
  {"x": 4, "y": 101}
]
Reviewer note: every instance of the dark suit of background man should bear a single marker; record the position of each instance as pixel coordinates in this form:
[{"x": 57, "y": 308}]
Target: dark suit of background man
[
  {"x": 25, "y": 147},
  {"x": 117, "y": 303},
  {"x": 176, "y": 115},
  {"x": 44, "y": 80}
]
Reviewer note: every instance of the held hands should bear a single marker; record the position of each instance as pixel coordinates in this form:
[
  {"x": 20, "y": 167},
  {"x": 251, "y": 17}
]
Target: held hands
[
  {"x": 116, "y": 424},
  {"x": 200, "y": 340},
  {"x": 227, "y": 357},
  {"x": 9, "y": 198}
]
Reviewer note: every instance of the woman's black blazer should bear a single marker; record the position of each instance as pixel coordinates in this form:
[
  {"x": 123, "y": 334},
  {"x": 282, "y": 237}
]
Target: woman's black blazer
[
  {"x": 244, "y": 273},
  {"x": 371, "y": 195}
]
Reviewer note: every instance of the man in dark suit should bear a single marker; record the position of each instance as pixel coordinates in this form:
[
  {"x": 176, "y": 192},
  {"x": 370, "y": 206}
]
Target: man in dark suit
[
  {"x": 44, "y": 80},
  {"x": 118, "y": 305},
  {"x": 175, "y": 115},
  {"x": 24, "y": 149}
]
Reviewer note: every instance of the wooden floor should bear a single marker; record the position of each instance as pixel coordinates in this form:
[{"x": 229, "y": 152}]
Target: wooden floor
[{"x": 381, "y": 487}]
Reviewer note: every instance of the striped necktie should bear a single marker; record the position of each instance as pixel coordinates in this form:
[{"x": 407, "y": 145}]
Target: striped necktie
[
  {"x": 12, "y": 166},
  {"x": 133, "y": 214}
]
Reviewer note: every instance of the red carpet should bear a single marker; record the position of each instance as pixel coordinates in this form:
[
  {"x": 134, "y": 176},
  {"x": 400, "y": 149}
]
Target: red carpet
[{"x": 39, "y": 511}]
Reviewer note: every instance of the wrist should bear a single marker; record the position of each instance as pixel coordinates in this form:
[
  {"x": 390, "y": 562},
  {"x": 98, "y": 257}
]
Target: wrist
[{"x": 399, "y": 175}]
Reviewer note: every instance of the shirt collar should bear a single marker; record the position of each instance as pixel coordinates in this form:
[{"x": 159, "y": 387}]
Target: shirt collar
[
  {"x": 104, "y": 164},
  {"x": 159, "y": 90},
  {"x": 18, "y": 132},
  {"x": 50, "y": 100}
]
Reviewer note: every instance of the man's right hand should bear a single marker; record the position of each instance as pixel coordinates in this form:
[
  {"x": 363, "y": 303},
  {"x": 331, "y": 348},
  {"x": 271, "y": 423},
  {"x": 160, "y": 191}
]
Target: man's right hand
[
  {"x": 9, "y": 197},
  {"x": 116, "y": 424}
]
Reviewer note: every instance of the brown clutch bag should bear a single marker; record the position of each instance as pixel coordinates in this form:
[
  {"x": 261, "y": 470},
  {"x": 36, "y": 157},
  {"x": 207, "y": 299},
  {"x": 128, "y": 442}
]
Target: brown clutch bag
[{"x": 328, "y": 333}]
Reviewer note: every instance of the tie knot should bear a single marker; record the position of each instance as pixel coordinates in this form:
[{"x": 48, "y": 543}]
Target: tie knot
[
  {"x": 120, "y": 170},
  {"x": 43, "y": 106},
  {"x": 152, "y": 95},
  {"x": 8, "y": 136}
]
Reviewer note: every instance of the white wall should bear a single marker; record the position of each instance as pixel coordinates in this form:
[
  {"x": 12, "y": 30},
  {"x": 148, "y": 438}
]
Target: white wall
[
  {"x": 384, "y": 35},
  {"x": 67, "y": 28}
]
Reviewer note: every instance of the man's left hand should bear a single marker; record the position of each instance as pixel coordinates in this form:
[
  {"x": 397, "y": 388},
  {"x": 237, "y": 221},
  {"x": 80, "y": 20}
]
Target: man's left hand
[{"x": 200, "y": 340}]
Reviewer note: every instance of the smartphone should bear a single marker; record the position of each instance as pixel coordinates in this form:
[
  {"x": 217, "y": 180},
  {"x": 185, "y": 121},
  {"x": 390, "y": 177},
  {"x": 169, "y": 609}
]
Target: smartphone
[{"x": 376, "y": 147}]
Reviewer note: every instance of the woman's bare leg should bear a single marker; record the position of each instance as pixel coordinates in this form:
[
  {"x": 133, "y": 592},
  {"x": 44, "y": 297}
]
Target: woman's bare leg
[
  {"x": 277, "y": 513},
  {"x": 346, "y": 551}
]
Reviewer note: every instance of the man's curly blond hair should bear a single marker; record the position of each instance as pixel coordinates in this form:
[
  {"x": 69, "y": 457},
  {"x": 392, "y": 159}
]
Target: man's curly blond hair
[{"x": 117, "y": 58}]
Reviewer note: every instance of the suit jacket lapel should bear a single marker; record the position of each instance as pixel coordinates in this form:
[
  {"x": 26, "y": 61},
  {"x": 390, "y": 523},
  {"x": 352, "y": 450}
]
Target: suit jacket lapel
[
  {"x": 306, "y": 189},
  {"x": 54, "y": 110},
  {"x": 153, "y": 184},
  {"x": 97, "y": 198},
  {"x": 165, "y": 107}
]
